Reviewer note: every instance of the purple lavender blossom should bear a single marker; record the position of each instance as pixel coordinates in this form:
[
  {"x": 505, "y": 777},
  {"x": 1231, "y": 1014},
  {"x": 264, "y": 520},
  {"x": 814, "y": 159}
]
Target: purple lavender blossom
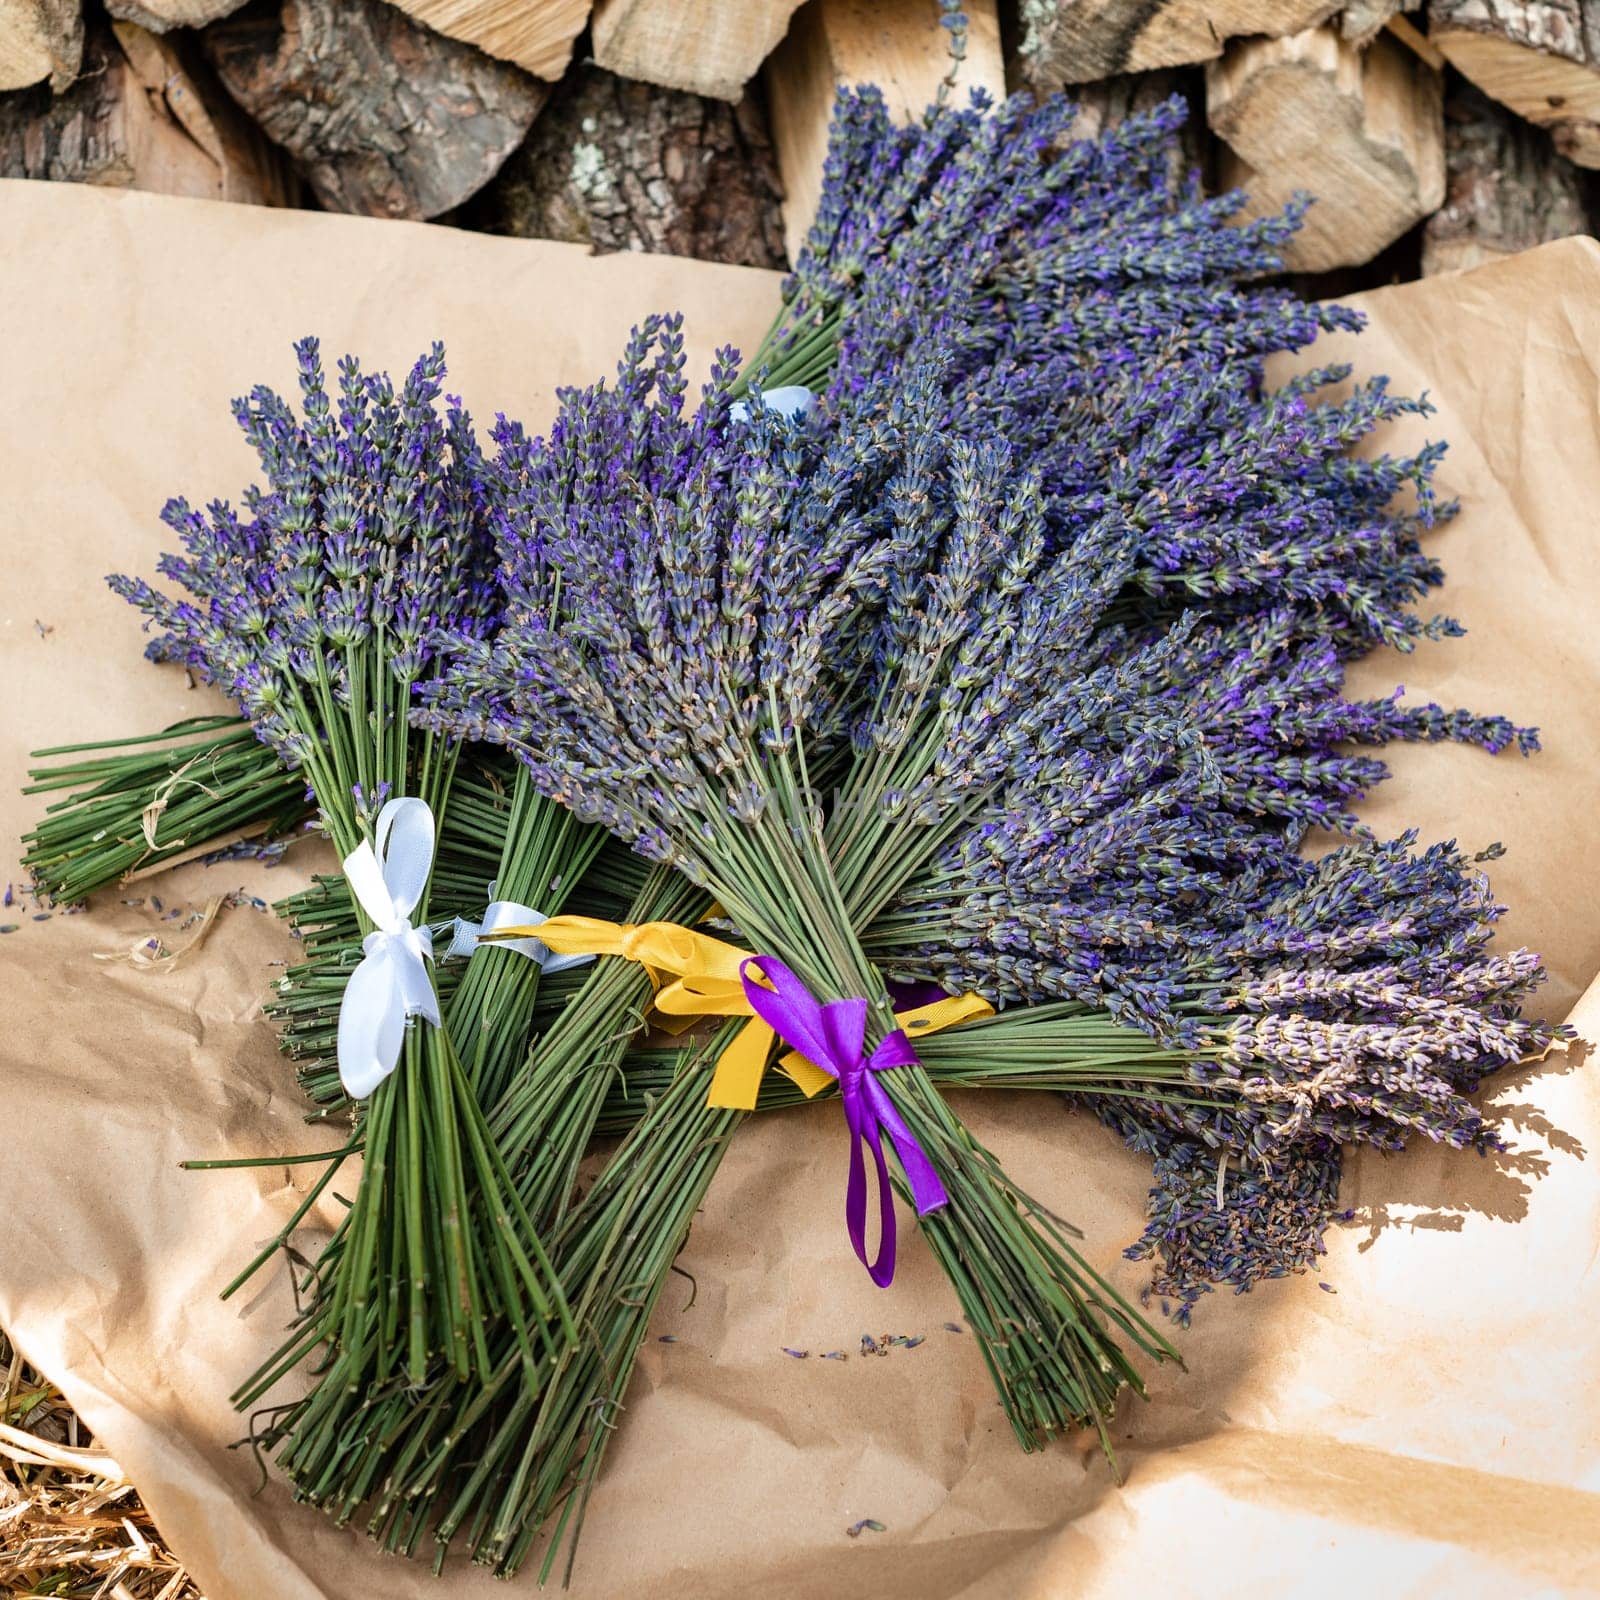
[
  {"x": 370, "y": 521},
  {"x": 1100, "y": 319}
]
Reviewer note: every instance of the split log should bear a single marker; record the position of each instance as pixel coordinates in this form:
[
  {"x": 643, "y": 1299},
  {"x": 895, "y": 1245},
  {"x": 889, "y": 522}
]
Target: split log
[
  {"x": 384, "y": 117},
  {"x": 1508, "y": 189},
  {"x": 1360, "y": 130},
  {"x": 250, "y": 168},
  {"x": 138, "y": 118},
  {"x": 1416, "y": 41},
  {"x": 629, "y": 166},
  {"x": 160, "y": 16},
  {"x": 1540, "y": 57},
  {"x": 834, "y": 44},
  {"x": 40, "y": 39},
  {"x": 1079, "y": 41},
  {"x": 1362, "y": 21},
  {"x": 714, "y": 47},
  {"x": 536, "y": 35}
]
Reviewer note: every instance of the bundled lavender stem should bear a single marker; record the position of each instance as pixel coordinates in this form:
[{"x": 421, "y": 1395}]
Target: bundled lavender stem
[
  {"x": 136, "y": 805},
  {"x": 319, "y": 607},
  {"x": 749, "y": 608}
]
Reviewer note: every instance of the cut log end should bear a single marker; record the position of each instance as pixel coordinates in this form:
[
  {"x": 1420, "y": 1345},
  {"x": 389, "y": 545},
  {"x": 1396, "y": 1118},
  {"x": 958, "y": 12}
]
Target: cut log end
[
  {"x": 1541, "y": 60},
  {"x": 1358, "y": 129},
  {"x": 713, "y": 49},
  {"x": 160, "y": 16},
  {"x": 1362, "y": 21},
  {"x": 1081, "y": 41},
  {"x": 618, "y": 165},
  {"x": 536, "y": 37},
  {"x": 143, "y": 115},
  {"x": 41, "y": 41}
]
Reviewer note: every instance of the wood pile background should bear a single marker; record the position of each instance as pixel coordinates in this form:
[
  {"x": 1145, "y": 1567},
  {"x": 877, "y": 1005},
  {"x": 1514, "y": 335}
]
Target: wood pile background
[{"x": 1434, "y": 134}]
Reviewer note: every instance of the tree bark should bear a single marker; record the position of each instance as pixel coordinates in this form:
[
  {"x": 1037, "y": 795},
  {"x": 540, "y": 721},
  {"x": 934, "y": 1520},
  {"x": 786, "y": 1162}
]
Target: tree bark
[
  {"x": 629, "y": 166},
  {"x": 384, "y": 117},
  {"x": 1080, "y": 41},
  {"x": 1361, "y": 130},
  {"x": 1540, "y": 57},
  {"x": 536, "y": 35},
  {"x": 138, "y": 118},
  {"x": 40, "y": 39},
  {"x": 1508, "y": 188}
]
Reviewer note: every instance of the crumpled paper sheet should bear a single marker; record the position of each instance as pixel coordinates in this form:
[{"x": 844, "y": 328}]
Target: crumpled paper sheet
[{"x": 1430, "y": 1428}]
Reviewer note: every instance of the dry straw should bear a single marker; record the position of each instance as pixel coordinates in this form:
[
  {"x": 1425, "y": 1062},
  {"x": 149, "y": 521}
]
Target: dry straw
[{"x": 71, "y": 1524}]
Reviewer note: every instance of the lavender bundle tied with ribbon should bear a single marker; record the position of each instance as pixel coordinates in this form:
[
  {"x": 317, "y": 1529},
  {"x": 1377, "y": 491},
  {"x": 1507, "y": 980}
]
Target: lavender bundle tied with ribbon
[
  {"x": 323, "y": 631},
  {"x": 832, "y": 1034},
  {"x": 794, "y": 662}
]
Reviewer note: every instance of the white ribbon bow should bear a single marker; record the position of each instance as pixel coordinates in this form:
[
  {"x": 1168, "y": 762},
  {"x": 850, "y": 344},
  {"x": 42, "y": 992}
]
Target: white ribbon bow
[
  {"x": 508, "y": 914},
  {"x": 792, "y": 400},
  {"x": 391, "y": 984}
]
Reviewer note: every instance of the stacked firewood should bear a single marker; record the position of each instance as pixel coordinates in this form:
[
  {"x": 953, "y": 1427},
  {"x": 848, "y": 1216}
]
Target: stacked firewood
[{"x": 1433, "y": 133}]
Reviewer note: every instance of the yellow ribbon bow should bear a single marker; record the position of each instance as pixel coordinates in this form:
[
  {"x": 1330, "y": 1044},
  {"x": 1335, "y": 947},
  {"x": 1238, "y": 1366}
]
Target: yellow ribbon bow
[{"x": 708, "y": 984}]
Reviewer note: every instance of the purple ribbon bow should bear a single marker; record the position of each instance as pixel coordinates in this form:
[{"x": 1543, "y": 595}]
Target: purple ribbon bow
[{"x": 833, "y": 1035}]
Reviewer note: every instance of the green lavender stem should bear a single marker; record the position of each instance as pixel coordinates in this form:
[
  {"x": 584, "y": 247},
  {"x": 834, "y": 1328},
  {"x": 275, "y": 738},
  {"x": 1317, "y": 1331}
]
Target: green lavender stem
[
  {"x": 1063, "y": 1048},
  {"x": 434, "y": 1249},
  {"x": 416, "y": 1444},
  {"x": 139, "y": 803}
]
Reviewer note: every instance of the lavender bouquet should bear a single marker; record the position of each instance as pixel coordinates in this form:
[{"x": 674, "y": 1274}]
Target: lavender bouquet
[
  {"x": 445, "y": 1450},
  {"x": 908, "y": 714},
  {"x": 319, "y": 608},
  {"x": 1264, "y": 791}
]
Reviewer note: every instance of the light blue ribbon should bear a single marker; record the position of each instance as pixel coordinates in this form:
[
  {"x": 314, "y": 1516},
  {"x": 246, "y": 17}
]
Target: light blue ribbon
[
  {"x": 509, "y": 914},
  {"x": 791, "y": 401}
]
